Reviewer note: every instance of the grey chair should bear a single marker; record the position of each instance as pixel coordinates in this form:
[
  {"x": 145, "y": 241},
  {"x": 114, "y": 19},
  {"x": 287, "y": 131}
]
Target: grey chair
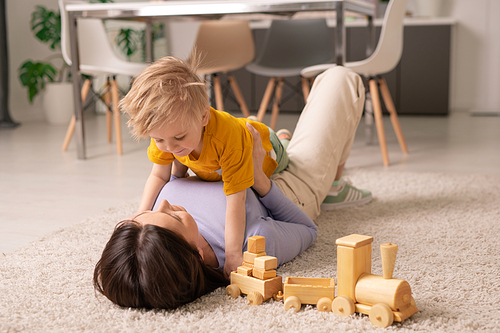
[{"x": 288, "y": 47}]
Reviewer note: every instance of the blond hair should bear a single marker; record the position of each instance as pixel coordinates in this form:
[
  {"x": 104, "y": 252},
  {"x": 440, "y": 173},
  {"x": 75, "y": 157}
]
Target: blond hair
[{"x": 168, "y": 90}]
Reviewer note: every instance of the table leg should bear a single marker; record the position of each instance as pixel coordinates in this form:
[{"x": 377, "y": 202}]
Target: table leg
[
  {"x": 340, "y": 34},
  {"x": 372, "y": 37},
  {"x": 76, "y": 77},
  {"x": 149, "y": 41}
]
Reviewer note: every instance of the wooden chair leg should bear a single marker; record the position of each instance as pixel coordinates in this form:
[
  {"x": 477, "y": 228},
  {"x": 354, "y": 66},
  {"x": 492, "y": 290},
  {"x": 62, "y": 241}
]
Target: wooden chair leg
[
  {"x": 239, "y": 96},
  {"x": 386, "y": 95},
  {"x": 277, "y": 103},
  {"x": 377, "y": 112},
  {"x": 219, "y": 100},
  {"x": 265, "y": 100},
  {"x": 305, "y": 88},
  {"x": 72, "y": 123},
  {"x": 107, "y": 101},
  {"x": 116, "y": 114}
]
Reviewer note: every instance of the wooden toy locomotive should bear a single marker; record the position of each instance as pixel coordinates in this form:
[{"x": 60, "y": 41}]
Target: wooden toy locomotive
[{"x": 383, "y": 298}]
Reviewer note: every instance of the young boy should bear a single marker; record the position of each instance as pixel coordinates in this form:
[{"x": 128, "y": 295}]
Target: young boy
[{"x": 168, "y": 102}]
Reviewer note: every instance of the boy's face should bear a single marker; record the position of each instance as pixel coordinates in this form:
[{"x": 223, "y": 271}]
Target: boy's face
[{"x": 180, "y": 139}]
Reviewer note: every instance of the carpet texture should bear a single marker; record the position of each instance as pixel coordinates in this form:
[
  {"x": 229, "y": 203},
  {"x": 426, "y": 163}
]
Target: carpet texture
[{"x": 446, "y": 225}]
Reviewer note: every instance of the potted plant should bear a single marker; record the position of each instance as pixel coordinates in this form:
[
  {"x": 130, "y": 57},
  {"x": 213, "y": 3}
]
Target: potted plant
[
  {"x": 34, "y": 75},
  {"x": 43, "y": 75}
]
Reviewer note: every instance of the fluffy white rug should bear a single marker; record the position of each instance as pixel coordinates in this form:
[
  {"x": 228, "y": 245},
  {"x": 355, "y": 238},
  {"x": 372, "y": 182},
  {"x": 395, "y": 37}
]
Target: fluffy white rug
[{"x": 446, "y": 225}]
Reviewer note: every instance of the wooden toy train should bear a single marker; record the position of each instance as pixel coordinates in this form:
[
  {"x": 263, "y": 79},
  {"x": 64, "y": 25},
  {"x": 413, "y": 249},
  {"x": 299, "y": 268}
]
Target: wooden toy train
[{"x": 383, "y": 298}]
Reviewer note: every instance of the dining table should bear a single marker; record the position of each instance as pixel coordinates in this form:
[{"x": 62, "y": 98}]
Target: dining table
[{"x": 152, "y": 11}]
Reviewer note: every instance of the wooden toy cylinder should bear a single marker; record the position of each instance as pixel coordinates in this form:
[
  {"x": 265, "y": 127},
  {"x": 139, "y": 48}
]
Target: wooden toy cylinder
[
  {"x": 388, "y": 252},
  {"x": 373, "y": 289}
]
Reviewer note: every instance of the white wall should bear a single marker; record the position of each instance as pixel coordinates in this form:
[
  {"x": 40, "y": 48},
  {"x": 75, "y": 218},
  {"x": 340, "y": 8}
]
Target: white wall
[
  {"x": 475, "y": 72},
  {"x": 23, "y": 46}
]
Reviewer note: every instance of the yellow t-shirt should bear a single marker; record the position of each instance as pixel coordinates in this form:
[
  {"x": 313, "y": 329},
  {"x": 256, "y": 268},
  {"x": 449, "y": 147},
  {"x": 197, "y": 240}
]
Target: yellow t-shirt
[{"x": 226, "y": 154}]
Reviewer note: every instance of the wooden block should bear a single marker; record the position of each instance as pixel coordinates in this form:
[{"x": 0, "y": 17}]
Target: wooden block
[
  {"x": 266, "y": 263},
  {"x": 262, "y": 274},
  {"x": 256, "y": 244},
  {"x": 247, "y": 264},
  {"x": 247, "y": 271},
  {"x": 250, "y": 257},
  {"x": 248, "y": 284}
]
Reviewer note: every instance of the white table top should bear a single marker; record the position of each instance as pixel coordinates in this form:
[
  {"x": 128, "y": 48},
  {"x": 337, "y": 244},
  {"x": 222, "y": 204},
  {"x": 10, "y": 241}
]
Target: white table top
[{"x": 210, "y": 7}]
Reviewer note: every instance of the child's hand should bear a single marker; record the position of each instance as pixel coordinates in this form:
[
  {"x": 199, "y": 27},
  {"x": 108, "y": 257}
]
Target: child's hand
[{"x": 233, "y": 261}]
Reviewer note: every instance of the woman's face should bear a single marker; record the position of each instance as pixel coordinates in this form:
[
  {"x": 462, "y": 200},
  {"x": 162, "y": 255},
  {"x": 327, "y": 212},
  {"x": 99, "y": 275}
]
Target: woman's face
[{"x": 174, "y": 218}]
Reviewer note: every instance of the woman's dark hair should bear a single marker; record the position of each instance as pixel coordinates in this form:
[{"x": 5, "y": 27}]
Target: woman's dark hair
[{"x": 146, "y": 266}]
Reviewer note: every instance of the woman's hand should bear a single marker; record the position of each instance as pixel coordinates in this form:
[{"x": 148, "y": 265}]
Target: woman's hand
[{"x": 262, "y": 184}]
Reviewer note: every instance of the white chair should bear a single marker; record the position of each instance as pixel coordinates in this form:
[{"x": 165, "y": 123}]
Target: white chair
[
  {"x": 225, "y": 46},
  {"x": 383, "y": 60},
  {"x": 96, "y": 58}
]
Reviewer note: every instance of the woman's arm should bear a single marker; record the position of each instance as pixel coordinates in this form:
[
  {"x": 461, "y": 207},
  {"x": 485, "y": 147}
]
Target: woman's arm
[
  {"x": 289, "y": 230},
  {"x": 262, "y": 184}
]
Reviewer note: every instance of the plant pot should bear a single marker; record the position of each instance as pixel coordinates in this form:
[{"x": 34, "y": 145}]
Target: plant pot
[
  {"x": 429, "y": 8},
  {"x": 58, "y": 102}
]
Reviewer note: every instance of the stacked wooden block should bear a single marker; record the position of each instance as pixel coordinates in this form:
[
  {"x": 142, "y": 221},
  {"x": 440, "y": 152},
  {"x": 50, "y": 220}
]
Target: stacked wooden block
[{"x": 256, "y": 262}]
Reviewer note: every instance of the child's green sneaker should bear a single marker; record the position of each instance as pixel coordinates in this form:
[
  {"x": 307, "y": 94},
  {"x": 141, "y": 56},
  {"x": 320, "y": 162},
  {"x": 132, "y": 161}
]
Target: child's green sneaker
[{"x": 345, "y": 195}]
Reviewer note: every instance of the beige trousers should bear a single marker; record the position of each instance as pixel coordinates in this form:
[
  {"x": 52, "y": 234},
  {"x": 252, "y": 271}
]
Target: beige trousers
[{"x": 322, "y": 139}]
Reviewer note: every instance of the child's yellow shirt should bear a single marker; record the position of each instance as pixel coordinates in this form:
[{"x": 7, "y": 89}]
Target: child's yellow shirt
[{"x": 226, "y": 154}]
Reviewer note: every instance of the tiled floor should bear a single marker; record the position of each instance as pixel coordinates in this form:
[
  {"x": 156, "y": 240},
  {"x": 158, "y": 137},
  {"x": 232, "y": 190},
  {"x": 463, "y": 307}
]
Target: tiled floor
[{"x": 43, "y": 189}]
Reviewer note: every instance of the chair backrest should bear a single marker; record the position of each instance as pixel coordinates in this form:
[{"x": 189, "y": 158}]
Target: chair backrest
[
  {"x": 224, "y": 46},
  {"x": 390, "y": 45},
  {"x": 95, "y": 48},
  {"x": 296, "y": 43}
]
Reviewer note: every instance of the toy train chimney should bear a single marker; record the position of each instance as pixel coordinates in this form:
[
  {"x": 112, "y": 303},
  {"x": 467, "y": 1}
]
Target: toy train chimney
[
  {"x": 354, "y": 257},
  {"x": 388, "y": 253}
]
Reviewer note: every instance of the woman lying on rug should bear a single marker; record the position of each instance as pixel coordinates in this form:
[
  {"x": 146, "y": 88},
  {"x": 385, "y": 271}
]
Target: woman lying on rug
[{"x": 168, "y": 257}]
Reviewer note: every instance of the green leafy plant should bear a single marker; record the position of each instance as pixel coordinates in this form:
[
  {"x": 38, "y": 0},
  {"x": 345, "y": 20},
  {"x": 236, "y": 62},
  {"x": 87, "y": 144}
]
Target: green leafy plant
[
  {"x": 130, "y": 41},
  {"x": 34, "y": 75},
  {"x": 46, "y": 26}
]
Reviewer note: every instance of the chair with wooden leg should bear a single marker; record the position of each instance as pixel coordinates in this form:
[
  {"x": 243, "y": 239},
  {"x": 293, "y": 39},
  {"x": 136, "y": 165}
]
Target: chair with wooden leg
[
  {"x": 224, "y": 46},
  {"x": 288, "y": 47},
  {"x": 96, "y": 58},
  {"x": 383, "y": 60}
]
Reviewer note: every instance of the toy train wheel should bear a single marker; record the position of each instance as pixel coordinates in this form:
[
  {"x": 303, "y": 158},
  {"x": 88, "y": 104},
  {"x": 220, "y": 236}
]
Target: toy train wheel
[
  {"x": 233, "y": 290},
  {"x": 343, "y": 306},
  {"x": 293, "y": 302},
  {"x": 255, "y": 298},
  {"x": 324, "y": 304},
  {"x": 381, "y": 315}
]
